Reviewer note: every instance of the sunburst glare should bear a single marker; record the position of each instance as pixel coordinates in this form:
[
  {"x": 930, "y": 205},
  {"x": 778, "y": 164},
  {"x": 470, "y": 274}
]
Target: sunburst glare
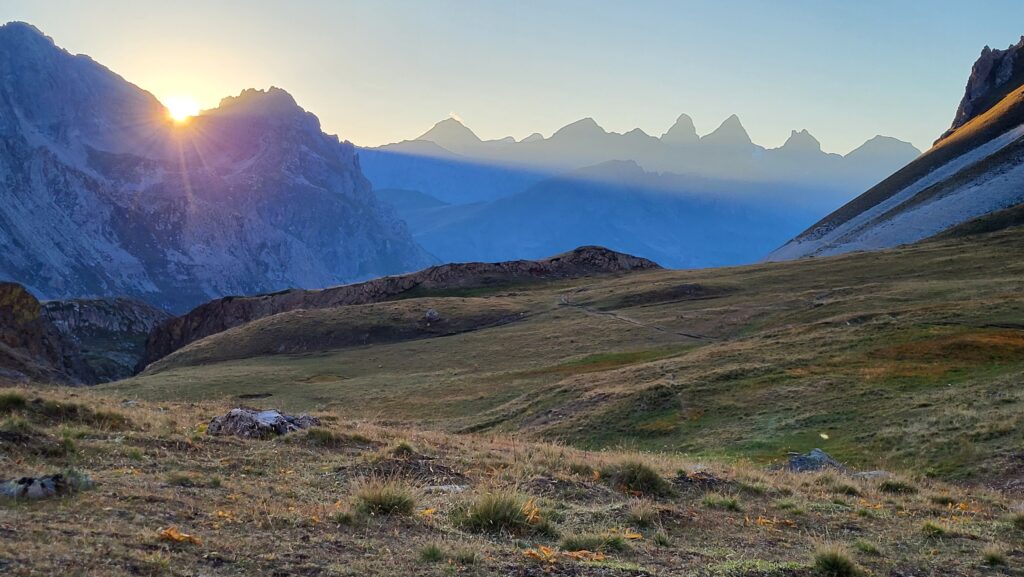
[{"x": 181, "y": 108}]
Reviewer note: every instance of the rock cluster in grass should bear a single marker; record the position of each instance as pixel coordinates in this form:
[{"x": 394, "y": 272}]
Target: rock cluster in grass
[
  {"x": 53, "y": 485},
  {"x": 815, "y": 460},
  {"x": 253, "y": 424}
]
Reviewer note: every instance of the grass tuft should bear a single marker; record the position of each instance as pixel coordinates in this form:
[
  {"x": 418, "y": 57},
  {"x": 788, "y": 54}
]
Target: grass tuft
[
  {"x": 504, "y": 512},
  {"x": 595, "y": 542},
  {"x": 643, "y": 513},
  {"x": 993, "y": 556},
  {"x": 719, "y": 501},
  {"x": 932, "y": 529},
  {"x": 834, "y": 561},
  {"x": 432, "y": 553},
  {"x": 636, "y": 478},
  {"x": 895, "y": 487},
  {"x": 384, "y": 496}
]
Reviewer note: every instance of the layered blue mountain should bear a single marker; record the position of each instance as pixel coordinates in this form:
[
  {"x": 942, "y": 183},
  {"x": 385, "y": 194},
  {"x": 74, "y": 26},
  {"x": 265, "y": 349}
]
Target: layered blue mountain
[
  {"x": 102, "y": 195},
  {"x": 681, "y": 199}
]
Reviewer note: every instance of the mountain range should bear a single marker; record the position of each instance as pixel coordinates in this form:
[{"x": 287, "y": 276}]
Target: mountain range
[
  {"x": 683, "y": 200},
  {"x": 438, "y": 161},
  {"x": 103, "y": 195}
]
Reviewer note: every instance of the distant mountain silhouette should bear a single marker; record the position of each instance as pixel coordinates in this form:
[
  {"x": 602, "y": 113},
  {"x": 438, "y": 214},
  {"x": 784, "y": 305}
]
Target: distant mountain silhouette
[{"x": 725, "y": 153}]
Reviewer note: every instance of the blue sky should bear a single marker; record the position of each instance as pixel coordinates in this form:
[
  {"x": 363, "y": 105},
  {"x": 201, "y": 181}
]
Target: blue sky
[{"x": 384, "y": 70}]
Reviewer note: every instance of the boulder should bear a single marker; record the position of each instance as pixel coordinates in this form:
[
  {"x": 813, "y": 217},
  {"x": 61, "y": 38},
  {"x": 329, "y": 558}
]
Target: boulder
[
  {"x": 816, "y": 460},
  {"x": 431, "y": 316},
  {"x": 46, "y": 486},
  {"x": 253, "y": 424}
]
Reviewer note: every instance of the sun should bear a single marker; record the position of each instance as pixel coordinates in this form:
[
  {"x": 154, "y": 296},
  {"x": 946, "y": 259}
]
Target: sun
[{"x": 181, "y": 108}]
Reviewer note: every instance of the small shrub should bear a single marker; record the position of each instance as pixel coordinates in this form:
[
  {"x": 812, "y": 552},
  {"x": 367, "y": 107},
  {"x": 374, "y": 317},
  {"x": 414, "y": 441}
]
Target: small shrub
[
  {"x": 718, "y": 501},
  {"x": 636, "y": 478},
  {"x": 595, "y": 542},
  {"x": 662, "y": 540},
  {"x": 993, "y": 556},
  {"x": 323, "y": 438},
  {"x": 943, "y": 500},
  {"x": 932, "y": 529},
  {"x": 845, "y": 489},
  {"x": 1017, "y": 521},
  {"x": 181, "y": 480},
  {"x": 403, "y": 450},
  {"x": 834, "y": 561},
  {"x": 503, "y": 512},
  {"x": 432, "y": 554},
  {"x": 134, "y": 454},
  {"x": 377, "y": 496},
  {"x": 643, "y": 513},
  {"x": 894, "y": 487},
  {"x": 10, "y": 402},
  {"x": 464, "y": 556},
  {"x": 866, "y": 547}
]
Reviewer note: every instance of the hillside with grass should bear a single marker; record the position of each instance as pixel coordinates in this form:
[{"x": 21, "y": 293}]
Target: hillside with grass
[
  {"x": 158, "y": 496},
  {"x": 904, "y": 359}
]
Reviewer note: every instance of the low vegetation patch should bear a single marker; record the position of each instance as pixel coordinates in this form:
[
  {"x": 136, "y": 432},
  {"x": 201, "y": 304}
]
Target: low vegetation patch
[
  {"x": 719, "y": 501},
  {"x": 504, "y": 511},
  {"x": 384, "y": 496},
  {"x": 835, "y": 561},
  {"x": 636, "y": 478},
  {"x": 896, "y": 487},
  {"x": 595, "y": 542}
]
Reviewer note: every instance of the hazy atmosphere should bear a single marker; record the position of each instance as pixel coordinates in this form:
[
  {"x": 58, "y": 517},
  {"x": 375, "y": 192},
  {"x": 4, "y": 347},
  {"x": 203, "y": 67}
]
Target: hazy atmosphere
[
  {"x": 383, "y": 71},
  {"x": 538, "y": 288}
]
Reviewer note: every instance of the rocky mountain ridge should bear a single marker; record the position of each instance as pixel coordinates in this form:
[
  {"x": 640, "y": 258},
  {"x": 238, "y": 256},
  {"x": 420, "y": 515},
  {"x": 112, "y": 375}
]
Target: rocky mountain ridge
[{"x": 222, "y": 314}]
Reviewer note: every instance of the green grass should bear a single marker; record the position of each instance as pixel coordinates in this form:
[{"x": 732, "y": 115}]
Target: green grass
[
  {"x": 718, "y": 501},
  {"x": 918, "y": 348},
  {"x": 595, "y": 542}
]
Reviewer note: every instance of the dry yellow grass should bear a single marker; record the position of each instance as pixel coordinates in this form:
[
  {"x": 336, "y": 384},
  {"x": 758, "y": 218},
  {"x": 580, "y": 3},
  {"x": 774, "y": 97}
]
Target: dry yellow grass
[{"x": 289, "y": 506}]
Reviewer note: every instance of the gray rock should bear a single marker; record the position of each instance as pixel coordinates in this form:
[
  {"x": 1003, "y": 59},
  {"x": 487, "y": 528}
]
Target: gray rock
[
  {"x": 816, "y": 460},
  {"x": 46, "y": 486},
  {"x": 868, "y": 475},
  {"x": 432, "y": 316},
  {"x": 253, "y": 424}
]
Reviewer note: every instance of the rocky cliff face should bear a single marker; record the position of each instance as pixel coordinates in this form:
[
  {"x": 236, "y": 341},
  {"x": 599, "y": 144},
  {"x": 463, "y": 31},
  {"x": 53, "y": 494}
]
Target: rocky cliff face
[
  {"x": 222, "y": 314},
  {"x": 109, "y": 333},
  {"x": 100, "y": 194},
  {"x": 993, "y": 76},
  {"x": 31, "y": 347}
]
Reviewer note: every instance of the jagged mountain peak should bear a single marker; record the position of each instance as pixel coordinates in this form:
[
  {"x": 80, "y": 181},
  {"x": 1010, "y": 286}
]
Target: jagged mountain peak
[
  {"x": 682, "y": 132},
  {"x": 729, "y": 133},
  {"x": 802, "y": 141},
  {"x": 994, "y": 75},
  {"x": 259, "y": 101}
]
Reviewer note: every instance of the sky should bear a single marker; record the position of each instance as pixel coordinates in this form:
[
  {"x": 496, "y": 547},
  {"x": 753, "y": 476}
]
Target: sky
[{"x": 379, "y": 71}]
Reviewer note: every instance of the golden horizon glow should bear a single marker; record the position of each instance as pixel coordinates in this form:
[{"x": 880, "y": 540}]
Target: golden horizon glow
[{"x": 181, "y": 108}]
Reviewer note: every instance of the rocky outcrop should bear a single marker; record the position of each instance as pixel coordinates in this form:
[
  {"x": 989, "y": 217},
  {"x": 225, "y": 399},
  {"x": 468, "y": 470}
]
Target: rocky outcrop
[
  {"x": 815, "y": 460},
  {"x": 225, "y": 313},
  {"x": 252, "y": 424},
  {"x": 31, "y": 346},
  {"x": 994, "y": 75},
  {"x": 110, "y": 333}
]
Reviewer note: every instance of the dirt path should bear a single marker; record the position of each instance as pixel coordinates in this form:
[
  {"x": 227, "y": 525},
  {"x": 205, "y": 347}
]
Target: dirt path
[{"x": 563, "y": 301}]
